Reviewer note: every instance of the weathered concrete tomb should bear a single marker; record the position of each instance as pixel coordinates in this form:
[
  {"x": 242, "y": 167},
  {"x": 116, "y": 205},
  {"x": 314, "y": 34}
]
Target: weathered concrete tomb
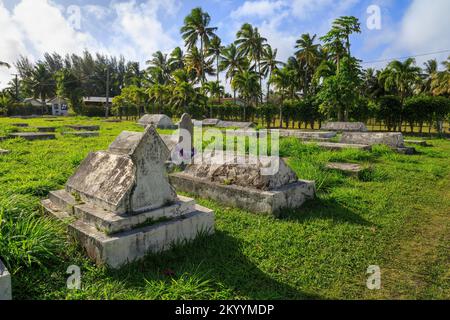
[
  {"x": 5, "y": 283},
  {"x": 421, "y": 143},
  {"x": 83, "y": 134},
  {"x": 341, "y": 146},
  {"x": 207, "y": 122},
  {"x": 123, "y": 205},
  {"x": 345, "y": 127},
  {"x": 160, "y": 121},
  {"x": 307, "y": 135},
  {"x": 245, "y": 182},
  {"x": 84, "y": 128},
  {"x": 20, "y": 125},
  {"x": 393, "y": 140},
  {"x": 235, "y": 124},
  {"x": 46, "y": 129},
  {"x": 31, "y": 136},
  {"x": 349, "y": 168}
]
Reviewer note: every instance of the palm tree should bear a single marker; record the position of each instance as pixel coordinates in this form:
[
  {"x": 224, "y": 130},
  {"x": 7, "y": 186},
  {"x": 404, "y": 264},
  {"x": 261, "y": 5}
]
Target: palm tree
[
  {"x": 214, "y": 50},
  {"x": 269, "y": 64},
  {"x": 182, "y": 94},
  {"x": 251, "y": 44},
  {"x": 159, "y": 67},
  {"x": 233, "y": 63},
  {"x": 196, "y": 29},
  {"x": 247, "y": 83},
  {"x": 176, "y": 59},
  {"x": 195, "y": 63},
  {"x": 431, "y": 68},
  {"x": 282, "y": 80},
  {"x": 157, "y": 93},
  {"x": 401, "y": 77},
  {"x": 308, "y": 55},
  {"x": 440, "y": 84},
  {"x": 4, "y": 64},
  {"x": 42, "y": 84}
]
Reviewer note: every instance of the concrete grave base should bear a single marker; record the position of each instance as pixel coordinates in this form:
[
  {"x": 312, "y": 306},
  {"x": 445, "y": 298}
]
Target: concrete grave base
[
  {"x": 114, "y": 240},
  {"x": 2, "y": 152},
  {"x": 349, "y": 168},
  {"x": 31, "y": 136},
  {"x": 46, "y": 129},
  {"x": 84, "y": 128},
  {"x": 307, "y": 135},
  {"x": 83, "y": 134},
  {"x": 290, "y": 196},
  {"x": 20, "y": 125},
  {"x": 421, "y": 143},
  {"x": 341, "y": 146},
  {"x": 405, "y": 150},
  {"x": 5, "y": 283}
]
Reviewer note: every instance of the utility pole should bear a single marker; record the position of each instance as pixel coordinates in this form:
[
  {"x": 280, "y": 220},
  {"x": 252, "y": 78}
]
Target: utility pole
[
  {"x": 107, "y": 93},
  {"x": 16, "y": 81}
]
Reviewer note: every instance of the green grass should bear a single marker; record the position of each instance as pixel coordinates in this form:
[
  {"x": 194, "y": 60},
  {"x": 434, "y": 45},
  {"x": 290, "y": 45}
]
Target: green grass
[{"x": 394, "y": 214}]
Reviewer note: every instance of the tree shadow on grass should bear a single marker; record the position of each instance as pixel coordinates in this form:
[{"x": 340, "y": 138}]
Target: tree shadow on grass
[
  {"x": 211, "y": 267},
  {"x": 325, "y": 209}
]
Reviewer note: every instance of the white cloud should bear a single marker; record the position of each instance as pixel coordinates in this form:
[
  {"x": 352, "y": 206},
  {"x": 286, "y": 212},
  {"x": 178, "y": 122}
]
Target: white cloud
[
  {"x": 34, "y": 27},
  {"x": 304, "y": 9},
  {"x": 138, "y": 30},
  {"x": 261, "y": 8},
  {"x": 423, "y": 29}
]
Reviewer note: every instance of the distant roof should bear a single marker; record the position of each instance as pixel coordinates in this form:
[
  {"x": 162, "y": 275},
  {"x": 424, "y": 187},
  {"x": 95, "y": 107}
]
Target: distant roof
[{"x": 97, "y": 99}]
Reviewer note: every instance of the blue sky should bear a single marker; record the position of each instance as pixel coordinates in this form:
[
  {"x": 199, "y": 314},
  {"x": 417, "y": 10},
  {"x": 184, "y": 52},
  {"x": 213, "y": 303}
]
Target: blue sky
[{"x": 136, "y": 28}]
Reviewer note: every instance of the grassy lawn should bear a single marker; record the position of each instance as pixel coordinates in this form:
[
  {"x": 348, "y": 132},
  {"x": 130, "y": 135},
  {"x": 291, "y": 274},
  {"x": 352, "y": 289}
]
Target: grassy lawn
[{"x": 394, "y": 215}]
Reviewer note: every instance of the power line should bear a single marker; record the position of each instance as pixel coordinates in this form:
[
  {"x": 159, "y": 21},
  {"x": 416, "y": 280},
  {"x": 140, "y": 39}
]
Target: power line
[{"x": 413, "y": 56}]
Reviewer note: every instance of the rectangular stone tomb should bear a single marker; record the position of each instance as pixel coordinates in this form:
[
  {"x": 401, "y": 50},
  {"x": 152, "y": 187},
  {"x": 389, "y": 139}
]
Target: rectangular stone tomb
[
  {"x": 83, "y": 134},
  {"x": 350, "y": 168},
  {"x": 393, "y": 140},
  {"x": 234, "y": 124},
  {"x": 244, "y": 185},
  {"x": 160, "y": 121},
  {"x": 421, "y": 143},
  {"x": 207, "y": 122},
  {"x": 3, "y": 151},
  {"x": 46, "y": 129},
  {"x": 84, "y": 128},
  {"x": 20, "y": 125},
  {"x": 307, "y": 135},
  {"x": 5, "y": 283},
  {"x": 120, "y": 205},
  {"x": 345, "y": 127},
  {"x": 33, "y": 136},
  {"x": 341, "y": 146}
]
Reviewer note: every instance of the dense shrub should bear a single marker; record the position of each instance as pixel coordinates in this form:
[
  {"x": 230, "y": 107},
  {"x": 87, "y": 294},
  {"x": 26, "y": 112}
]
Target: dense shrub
[{"x": 389, "y": 110}]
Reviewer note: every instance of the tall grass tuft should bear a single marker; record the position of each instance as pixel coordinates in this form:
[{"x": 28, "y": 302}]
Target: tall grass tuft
[{"x": 26, "y": 238}]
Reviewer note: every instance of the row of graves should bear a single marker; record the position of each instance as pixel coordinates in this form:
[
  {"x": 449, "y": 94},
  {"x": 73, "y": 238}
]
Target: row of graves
[{"x": 122, "y": 203}]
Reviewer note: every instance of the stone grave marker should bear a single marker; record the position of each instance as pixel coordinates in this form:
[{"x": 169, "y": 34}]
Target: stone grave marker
[
  {"x": 235, "y": 124},
  {"x": 307, "y": 135},
  {"x": 83, "y": 134},
  {"x": 3, "y": 151},
  {"x": 78, "y": 127},
  {"x": 46, "y": 129},
  {"x": 123, "y": 204},
  {"x": 20, "y": 125},
  {"x": 31, "y": 136},
  {"x": 349, "y": 168},
  {"x": 160, "y": 121},
  {"x": 345, "y": 127},
  {"x": 394, "y": 140},
  {"x": 5, "y": 283},
  {"x": 341, "y": 146}
]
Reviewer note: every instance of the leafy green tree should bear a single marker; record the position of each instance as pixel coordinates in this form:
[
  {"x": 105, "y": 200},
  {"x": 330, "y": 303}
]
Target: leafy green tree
[
  {"x": 42, "y": 84},
  {"x": 176, "y": 59},
  {"x": 440, "y": 84},
  {"x": 68, "y": 86},
  {"x": 214, "y": 51}
]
